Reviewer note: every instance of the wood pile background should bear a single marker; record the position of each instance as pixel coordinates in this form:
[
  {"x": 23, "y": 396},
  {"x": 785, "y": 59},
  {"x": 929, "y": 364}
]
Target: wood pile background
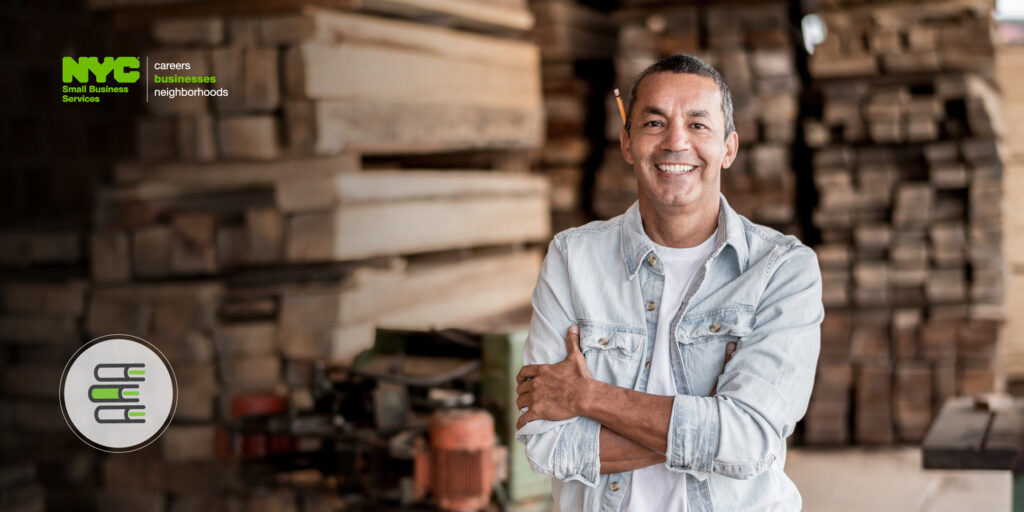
[
  {"x": 576, "y": 44},
  {"x": 1010, "y": 72},
  {"x": 364, "y": 170},
  {"x": 908, "y": 171}
]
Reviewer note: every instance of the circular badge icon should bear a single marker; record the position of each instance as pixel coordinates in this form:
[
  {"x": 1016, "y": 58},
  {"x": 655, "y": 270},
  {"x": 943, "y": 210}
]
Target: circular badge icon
[{"x": 118, "y": 393}]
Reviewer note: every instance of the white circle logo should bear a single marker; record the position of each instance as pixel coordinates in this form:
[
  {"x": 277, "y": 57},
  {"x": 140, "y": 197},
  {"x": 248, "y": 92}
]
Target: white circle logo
[{"x": 118, "y": 393}]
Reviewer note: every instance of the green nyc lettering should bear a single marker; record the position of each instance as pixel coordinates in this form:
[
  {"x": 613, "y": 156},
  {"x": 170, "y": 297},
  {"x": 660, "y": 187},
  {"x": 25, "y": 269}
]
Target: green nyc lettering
[{"x": 121, "y": 66}]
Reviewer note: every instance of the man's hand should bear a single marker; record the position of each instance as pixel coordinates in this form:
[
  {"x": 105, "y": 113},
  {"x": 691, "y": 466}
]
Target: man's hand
[{"x": 554, "y": 391}]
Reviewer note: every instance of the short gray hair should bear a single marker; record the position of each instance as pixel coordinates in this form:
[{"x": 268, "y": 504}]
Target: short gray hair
[{"x": 687, "y": 64}]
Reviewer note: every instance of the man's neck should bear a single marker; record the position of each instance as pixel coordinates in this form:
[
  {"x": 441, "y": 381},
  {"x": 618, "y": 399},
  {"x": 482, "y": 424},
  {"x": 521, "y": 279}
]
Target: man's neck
[{"x": 679, "y": 229}]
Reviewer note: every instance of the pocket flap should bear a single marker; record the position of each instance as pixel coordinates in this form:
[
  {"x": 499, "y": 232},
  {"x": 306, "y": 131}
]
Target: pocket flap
[
  {"x": 606, "y": 338},
  {"x": 723, "y": 322}
]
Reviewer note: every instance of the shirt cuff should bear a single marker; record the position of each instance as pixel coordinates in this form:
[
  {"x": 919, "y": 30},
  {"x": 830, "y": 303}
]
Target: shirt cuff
[
  {"x": 578, "y": 453},
  {"x": 692, "y": 435}
]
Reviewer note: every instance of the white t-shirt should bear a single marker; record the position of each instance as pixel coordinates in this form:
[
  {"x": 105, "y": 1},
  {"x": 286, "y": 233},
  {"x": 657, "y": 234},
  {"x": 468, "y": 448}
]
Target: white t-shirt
[{"x": 655, "y": 487}]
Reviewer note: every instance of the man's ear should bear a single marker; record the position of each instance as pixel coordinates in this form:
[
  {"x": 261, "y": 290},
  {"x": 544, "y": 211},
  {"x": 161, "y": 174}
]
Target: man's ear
[
  {"x": 624, "y": 145},
  {"x": 732, "y": 146}
]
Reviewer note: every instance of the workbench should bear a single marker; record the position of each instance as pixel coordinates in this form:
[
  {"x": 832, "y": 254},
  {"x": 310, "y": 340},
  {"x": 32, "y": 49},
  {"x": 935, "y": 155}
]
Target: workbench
[{"x": 964, "y": 436}]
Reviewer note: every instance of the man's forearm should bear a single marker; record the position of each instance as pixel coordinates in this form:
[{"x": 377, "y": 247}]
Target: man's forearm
[
  {"x": 619, "y": 454},
  {"x": 639, "y": 417}
]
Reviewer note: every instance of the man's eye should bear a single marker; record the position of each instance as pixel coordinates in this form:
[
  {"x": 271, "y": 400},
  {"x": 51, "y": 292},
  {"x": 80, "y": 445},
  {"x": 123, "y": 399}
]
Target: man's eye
[
  {"x": 699, "y": 126},
  {"x": 652, "y": 123}
]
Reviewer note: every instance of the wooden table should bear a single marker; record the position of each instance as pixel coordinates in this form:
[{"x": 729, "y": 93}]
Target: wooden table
[{"x": 966, "y": 437}]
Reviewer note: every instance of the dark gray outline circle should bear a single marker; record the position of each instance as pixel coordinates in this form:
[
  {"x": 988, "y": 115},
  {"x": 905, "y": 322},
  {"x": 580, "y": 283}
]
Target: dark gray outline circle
[{"x": 158, "y": 433}]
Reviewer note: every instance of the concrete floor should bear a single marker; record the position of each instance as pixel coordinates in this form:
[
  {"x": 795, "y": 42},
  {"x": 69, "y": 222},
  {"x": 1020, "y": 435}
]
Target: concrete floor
[{"x": 891, "y": 479}]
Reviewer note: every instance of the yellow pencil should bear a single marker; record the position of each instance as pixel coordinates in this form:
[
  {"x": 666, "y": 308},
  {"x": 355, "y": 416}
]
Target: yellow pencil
[{"x": 622, "y": 111}]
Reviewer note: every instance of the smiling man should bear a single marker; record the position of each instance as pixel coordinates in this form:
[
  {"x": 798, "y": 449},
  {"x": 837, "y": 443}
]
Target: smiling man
[{"x": 672, "y": 349}]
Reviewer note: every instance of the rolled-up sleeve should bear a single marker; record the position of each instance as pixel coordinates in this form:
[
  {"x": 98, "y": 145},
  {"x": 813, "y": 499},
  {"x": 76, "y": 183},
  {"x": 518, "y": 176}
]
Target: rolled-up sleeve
[
  {"x": 567, "y": 450},
  {"x": 763, "y": 391}
]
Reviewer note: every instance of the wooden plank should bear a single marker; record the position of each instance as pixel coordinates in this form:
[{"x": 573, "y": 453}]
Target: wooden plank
[
  {"x": 511, "y": 15},
  {"x": 319, "y": 71},
  {"x": 248, "y": 137},
  {"x": 383, "y": 186},
  {"x": 482, "y": 288},
  {"x": 188, "y": 31},
  {"x": 232, "y": 174},
  {"x": 317, "y": 322},
  {"x": 415, "y": 226},
  {"x": 370, "y": 127},
  {"x": 330, "y": 27}
]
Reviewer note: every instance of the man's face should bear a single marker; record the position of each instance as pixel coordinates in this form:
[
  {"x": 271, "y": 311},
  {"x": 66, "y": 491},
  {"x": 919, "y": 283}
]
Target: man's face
[{"x": 677, "y": 143}]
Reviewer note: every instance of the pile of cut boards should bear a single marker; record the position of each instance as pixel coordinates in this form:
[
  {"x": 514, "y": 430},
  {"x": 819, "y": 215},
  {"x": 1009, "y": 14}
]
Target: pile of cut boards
[
  {"x": 1010, "y": 72},
  {"x": 43, "y": 296},
  {"x": 908, "y": 171},
  {"x": 364, "y": 171},
  {"x": 576, "y": 43}
]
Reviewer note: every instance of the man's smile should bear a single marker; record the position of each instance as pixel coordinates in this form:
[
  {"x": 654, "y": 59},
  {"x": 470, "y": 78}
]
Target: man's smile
[{"x": 675, "y": 168}]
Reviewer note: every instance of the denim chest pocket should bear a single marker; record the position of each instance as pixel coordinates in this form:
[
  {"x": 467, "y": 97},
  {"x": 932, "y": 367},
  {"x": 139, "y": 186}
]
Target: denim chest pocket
[
  {"x": 702, "y": 342},
  {"x": 727, "y": 324},
  {"x": 613, "y": 353}
]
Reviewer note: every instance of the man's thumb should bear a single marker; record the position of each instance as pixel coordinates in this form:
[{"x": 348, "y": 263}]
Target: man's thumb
[{"x": 572, "y": 340}]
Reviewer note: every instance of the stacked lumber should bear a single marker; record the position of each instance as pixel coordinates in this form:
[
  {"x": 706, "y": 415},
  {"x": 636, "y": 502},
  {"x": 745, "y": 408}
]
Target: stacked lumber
[
  {"x": 909, "y": 178},
  {"x": 320, "y": 83},
  {"x": 576, "y": 47},
  {"x": 43, "y": 299},
  {"x": 1009, "y": 66},
  {"x": 752, "y": 48},
  {"x": 494, "y": 16},
  {"x": 260, "y": 234}
]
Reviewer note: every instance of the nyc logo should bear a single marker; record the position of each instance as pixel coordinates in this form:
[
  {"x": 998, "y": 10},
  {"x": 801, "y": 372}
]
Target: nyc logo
[{"x": 124, "y": 69}]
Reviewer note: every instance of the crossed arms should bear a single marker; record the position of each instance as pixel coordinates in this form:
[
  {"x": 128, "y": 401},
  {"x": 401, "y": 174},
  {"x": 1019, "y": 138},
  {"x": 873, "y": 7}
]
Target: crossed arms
[
  {"x": 577, "y": 427},
  {"x": 565, "y": 390}
]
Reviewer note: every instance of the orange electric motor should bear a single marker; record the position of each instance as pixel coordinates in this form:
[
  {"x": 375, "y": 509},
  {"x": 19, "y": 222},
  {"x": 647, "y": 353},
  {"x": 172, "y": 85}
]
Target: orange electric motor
[{"x": 460, "y": 466}]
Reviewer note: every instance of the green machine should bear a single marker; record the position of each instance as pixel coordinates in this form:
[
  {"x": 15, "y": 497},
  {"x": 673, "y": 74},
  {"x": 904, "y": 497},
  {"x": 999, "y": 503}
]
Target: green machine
[{"x": 503, "y": 357}]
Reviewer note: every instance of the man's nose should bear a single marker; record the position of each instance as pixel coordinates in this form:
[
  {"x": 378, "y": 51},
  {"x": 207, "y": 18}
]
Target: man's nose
[{"x": 676, "y": 138}]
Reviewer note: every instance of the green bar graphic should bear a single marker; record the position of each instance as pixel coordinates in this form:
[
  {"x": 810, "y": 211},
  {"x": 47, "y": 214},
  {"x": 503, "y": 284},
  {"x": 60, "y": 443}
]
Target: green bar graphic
[
  {"x": 130, "y": 393},
  {"x": 105, "y": 393},
  {"x": 136, "y": 413},
  {"x": 136, "y": 372}
]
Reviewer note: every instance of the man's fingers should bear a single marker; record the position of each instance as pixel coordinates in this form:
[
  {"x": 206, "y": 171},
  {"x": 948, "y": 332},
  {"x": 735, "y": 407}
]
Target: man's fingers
[
  {"x": 525, "y": 418},
  {"x": 572, "y": 341},
  {"x": 524, "y": 387},
  {"x": 527, "y": 372},
  {"x": 524, "y": 400}
]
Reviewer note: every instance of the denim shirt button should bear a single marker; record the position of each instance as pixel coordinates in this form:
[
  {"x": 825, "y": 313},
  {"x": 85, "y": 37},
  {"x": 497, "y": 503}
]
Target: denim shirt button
[
  {"x": 647, "y": 365},
  {"x": 652, "y": 261},
  {"x": 715, "y": 327},
  {"x": 650, "y": 306},
  {"x": 603, "y": 342},
  {"x": 614, "y": 486}
]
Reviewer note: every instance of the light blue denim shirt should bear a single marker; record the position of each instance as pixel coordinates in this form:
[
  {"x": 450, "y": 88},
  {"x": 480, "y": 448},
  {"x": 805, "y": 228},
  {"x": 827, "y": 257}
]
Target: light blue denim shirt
[{"x": 759, "y": 288}]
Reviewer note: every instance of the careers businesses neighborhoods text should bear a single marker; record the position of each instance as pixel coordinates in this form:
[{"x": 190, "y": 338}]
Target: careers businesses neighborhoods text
[{"x": 117, "y": 75}]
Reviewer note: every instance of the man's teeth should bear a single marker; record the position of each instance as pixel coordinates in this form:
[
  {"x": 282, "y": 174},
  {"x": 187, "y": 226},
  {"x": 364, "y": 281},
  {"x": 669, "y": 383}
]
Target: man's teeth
[{"x": 676, "y": 168}]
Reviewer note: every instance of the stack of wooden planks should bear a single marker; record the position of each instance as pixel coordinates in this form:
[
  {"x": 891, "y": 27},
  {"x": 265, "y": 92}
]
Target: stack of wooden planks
[
  {"x": 259, "y": 234},
  {"x": 1010, "y": 72},
  {"x": 43, "y": 296},
  {"x": 576, "y": 44},
  {"x": 751, "y": 45},
  {"x": 320, "y": 83},
  {"x": 909, "y": 178}
]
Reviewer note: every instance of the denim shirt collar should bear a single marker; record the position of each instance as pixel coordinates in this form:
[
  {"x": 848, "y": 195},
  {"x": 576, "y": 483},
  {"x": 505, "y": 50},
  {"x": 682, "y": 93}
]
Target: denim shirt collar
[{"x": 636, "y": 245}]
